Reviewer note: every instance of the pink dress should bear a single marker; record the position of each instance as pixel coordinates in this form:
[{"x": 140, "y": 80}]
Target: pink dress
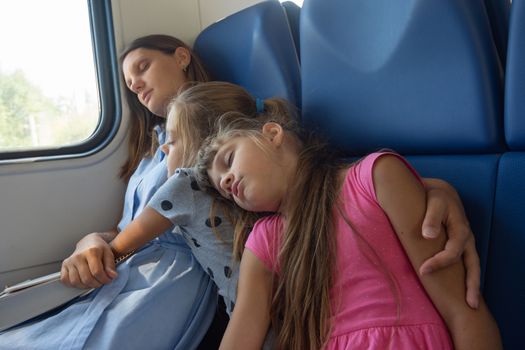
[{"x": 371, "y": 309}]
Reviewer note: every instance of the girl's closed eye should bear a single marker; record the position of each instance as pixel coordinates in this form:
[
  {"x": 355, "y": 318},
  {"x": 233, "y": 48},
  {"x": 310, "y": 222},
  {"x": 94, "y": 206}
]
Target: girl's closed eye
[{"x": 229, "y": 159}]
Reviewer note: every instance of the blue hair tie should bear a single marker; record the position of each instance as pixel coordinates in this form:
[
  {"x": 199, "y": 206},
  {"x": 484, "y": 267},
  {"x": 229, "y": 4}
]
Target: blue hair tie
[{"x": 259, "y": 105}]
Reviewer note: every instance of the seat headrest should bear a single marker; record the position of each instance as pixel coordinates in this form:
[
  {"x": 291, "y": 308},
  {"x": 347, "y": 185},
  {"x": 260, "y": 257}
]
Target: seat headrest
[
  {"x": 416, "y": 76},
  {"x": 253, "y": 48}
]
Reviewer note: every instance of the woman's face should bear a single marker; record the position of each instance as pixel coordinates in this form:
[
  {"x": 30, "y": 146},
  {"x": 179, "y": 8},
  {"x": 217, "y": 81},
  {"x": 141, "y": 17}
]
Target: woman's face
[{"x": 155, "y": 77}]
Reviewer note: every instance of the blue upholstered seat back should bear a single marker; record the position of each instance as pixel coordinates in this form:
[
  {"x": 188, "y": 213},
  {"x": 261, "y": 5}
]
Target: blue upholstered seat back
[
  {"x": 255, "y": 49},
  {"x": 417, "y": 76},
  {"x": 293, "y": 13},
  {"x": 505, "y": 279},
  {"x": 422, "y": 77},
  {"x": 390, "y": 74},
  {"x": 505, "y": 274},
  {"x": 515, "y": 79}
]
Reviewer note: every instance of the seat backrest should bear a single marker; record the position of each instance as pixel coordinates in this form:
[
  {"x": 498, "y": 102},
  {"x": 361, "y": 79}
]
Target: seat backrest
[
  {"x": 293, "y": 13},
  {"x": 384, "y": 73},
  {"x": 505, "y": 273},
  {"x": 498, "y": 12},
  {"x": 505, "y": 278},
  {"x": 255, "y": 49},
  {"x": 420, "y": 77},
  {"x": 515, "y": 79}
]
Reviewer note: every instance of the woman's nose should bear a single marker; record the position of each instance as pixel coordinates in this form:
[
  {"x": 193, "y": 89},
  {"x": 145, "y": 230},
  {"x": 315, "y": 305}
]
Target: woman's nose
[{"x": 136, "y": 86}]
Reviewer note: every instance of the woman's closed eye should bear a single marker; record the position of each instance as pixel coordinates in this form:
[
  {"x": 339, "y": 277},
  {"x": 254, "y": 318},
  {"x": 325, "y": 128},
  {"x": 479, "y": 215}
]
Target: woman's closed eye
[{"x": 143, "y": 66}]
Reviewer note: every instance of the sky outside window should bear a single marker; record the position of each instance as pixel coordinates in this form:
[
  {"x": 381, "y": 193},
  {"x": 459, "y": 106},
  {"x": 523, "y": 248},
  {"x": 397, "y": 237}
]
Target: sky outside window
[{"x": 48, "y": 91}]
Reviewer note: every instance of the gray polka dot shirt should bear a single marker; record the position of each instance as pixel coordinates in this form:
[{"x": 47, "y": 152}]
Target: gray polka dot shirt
[{"x": 181, "y": 201}]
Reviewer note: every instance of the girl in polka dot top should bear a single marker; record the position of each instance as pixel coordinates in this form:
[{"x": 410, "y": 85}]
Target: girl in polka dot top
[{"x": 180, "y": 202}]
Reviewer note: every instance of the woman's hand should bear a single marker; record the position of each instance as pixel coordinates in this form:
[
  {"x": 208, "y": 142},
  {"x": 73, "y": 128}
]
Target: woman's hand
[
  {"x": 445, "y": 214},
  {"x": 92, "y": 264}
]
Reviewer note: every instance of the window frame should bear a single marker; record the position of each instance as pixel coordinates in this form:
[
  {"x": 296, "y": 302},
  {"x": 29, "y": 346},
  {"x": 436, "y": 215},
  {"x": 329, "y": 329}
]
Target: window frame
[{"x": 106, "y": 69}]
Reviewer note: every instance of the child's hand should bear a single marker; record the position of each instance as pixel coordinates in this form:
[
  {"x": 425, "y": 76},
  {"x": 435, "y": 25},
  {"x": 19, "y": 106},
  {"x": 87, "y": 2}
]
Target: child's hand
[
  {"x": 445, "y": 210},
  {"x": 91, "y": 265}
]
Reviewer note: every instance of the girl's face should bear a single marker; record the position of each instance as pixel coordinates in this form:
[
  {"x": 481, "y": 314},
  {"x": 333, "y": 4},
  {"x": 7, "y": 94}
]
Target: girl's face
[
  {"x": 155, "y": 77},
  {"x": 251, "y": 174},
  {"x": 172, "y": 149}
]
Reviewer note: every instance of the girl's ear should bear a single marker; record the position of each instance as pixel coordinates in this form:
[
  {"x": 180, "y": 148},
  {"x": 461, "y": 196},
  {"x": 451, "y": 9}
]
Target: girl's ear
[
  {"x": 183, "y": 57},
  {"x": 274, "y": 133}
]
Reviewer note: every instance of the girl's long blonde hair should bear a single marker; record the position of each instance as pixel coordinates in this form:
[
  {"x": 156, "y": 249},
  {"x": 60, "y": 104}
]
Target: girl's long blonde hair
[
  {"x": 193, "y": 114},
  {"x": 301, "y": 307},
  {"x": 196, "y": 108}
]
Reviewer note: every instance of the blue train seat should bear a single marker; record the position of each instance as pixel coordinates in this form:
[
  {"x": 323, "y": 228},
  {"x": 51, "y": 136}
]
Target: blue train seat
[
  {"x": 255, "y": 49},
  {"x": 293, "y": 13},
  {"x": 515, "y": 79},
  {"x": 505, "y": 280},
  {"x": 379, "y": 74},
  {"x": 505, "y": 275},
  {"x": 498, "y": 12},
  {"x": 391, "y": 74},
  {"x": 421, "y": 77}
]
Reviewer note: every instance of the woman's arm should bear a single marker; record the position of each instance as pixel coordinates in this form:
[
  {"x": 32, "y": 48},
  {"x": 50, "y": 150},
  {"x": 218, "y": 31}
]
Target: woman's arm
[
  {"x": 445, "y": 212},
  {"x": 403, "y": 199},
  {"x": 148, "y": 225},
  {"x": 92, "y": 263},
  {"x": 251, "y": 317}
]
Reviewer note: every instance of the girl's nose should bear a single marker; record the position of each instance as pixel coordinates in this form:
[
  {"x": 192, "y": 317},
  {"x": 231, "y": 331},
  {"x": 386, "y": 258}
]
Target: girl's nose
[
  {"x": 226, "y": 183},
  {"x": 165, "y": 149}
]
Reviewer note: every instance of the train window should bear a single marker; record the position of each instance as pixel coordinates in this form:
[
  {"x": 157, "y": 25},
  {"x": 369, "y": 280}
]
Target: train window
[{"x": 52, "y": 87}]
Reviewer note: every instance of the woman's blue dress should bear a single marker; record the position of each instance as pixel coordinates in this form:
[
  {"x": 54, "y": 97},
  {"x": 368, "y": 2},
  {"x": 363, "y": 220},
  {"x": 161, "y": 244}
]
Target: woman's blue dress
[{"x": 161, "y": 299}]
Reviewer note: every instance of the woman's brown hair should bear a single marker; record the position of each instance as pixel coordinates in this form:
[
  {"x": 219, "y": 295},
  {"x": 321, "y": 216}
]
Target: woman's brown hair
[
  {"x": 301, "y": 307},
  {"x": 142, "y": 140}
]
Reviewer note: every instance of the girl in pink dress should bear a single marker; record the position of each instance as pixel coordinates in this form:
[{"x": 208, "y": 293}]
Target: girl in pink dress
[{"x": 335, "y": 267}]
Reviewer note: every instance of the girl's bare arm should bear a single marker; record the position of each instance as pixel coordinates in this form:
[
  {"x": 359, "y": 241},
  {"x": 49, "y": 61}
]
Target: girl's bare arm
[
  {"x": 251, "y": 316},
  {"x": 403, "y": 199},
  {"x": 148, "y": 225}
]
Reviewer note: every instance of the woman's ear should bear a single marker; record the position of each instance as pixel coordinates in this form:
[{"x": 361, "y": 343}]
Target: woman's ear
[
  {"x": 182, "y": 57},
  {"x": 274, "y": 132}
]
